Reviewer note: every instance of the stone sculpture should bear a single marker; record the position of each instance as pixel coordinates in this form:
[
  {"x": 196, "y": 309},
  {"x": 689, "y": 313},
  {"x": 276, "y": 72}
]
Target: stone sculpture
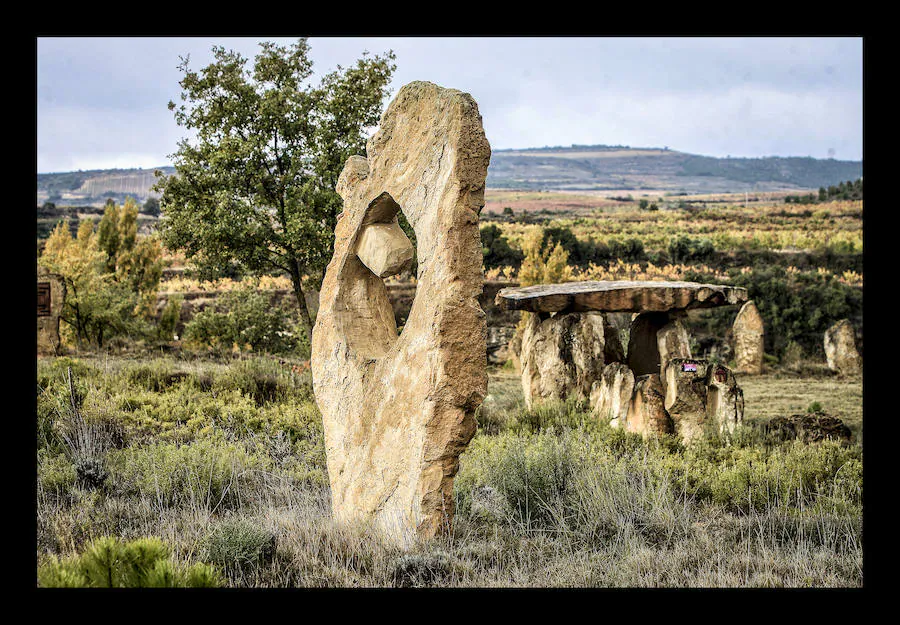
[{"x": 398, "y": 410}]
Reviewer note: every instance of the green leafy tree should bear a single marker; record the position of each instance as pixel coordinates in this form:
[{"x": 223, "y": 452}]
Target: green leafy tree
[
  {"x": 151, "y": 206},
  {"x": 254, "y": 189}
]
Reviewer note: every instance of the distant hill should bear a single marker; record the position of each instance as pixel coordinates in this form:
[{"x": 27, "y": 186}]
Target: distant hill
[
  {"x": 586, "y": 167},
  {"x": 578, "y": 167},
  {"x": 93, "y": 187}
]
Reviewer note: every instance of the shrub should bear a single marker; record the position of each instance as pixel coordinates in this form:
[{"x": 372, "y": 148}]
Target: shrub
[
  {"x": 246, "y": 318},
  {"x": 109, "y": 563},
  {"x": 238, "y": 546},
  {"x": 419, "y": 570}
]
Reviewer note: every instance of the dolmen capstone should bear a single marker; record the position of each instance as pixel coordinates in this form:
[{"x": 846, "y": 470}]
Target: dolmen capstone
[
  {"x": 653, "y": 387},
  {"x": 840, "y": 349},
  {"x": 398, "y": 410},
  {"x": 51, "y": 295},
  {"x": 748, "y": 332}
]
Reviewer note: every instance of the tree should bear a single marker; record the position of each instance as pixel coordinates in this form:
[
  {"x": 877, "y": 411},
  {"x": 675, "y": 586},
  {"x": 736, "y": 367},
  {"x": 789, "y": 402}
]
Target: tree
[
  {"x": 151, "y": 206},
  {"x": 111, "y": 274},
  {"x": 254, "y": 190}
]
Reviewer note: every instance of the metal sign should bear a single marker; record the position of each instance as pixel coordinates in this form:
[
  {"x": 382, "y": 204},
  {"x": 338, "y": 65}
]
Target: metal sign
[
  {"x": 689, "y": 366},
  {"x": 43, "y": 301}
]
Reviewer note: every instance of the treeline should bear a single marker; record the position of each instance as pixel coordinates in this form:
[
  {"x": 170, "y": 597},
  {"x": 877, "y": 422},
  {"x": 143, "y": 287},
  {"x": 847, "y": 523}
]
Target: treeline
[{"x": 843, "y": 191}]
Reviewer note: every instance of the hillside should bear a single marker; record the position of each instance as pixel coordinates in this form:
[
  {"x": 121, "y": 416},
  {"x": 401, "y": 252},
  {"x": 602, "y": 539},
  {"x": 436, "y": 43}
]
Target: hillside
[
  {"x": 577, "y": 167},
  {"x": 626, "y": 168}
]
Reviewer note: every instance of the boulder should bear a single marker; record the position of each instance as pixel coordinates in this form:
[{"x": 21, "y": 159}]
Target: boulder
[
  {"x": 611, "y": 394},
  {"x": 398, "y": 410},
  {"x": 748, "y": 340},
  {"x": 561, "y": 356},
  {"x": 840, "y": 349}
]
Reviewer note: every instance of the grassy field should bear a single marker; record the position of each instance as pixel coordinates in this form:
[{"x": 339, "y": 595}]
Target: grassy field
[{"x": 223, "y": 462}]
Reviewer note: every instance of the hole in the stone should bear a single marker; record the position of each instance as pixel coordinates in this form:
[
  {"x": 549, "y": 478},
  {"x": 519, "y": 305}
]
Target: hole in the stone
[{"x": 375, "y": 306}]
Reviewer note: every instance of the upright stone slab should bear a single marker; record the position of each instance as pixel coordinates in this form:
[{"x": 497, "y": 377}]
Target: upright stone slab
[
  {"x": 724, "y": 398},
  {"x": 647, "y": 414},
  {"x": 561, "y": 356},
  {"x": 672, "y": 341},
  {"x": 611, "y": 394},
  {"x": 748, "y": 340},
  {"x": 643, "y": 342},
  {"x": 398, "y": 410},
  {"x": 840, "y": 349},
  {"x": 51, "y": 294}
]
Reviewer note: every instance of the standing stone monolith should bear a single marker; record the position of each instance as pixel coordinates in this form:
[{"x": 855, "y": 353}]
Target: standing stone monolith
[
  {"x": 840, "y": 349},
  {"x": 51, "y": 293},
  {"x": 672, "y": 341},
  {"x": 398, "y": 410},
  {"x": 561, "y": 356},
  {"x": 748, "y": 340}
]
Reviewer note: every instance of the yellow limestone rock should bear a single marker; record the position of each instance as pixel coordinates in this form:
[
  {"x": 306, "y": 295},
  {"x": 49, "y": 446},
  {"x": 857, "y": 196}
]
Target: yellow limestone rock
[
  {"x": 840, "y": 349},
  {"x": 384, "y": 248},
  {"x": 398, "y": 410}
]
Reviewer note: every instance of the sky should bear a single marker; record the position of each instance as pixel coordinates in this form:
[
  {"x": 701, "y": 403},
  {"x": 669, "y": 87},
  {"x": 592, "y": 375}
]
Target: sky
[{"x": 102, "y": 102}]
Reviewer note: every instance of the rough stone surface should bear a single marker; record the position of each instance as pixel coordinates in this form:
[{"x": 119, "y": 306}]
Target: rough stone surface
[
  {"x": 701, "y": 395},
  {"x": 809, "y": 428},
  {"x": 611, "y": 394},
  {"x": 48, "y": 325},
  {"x": 686, "y": 395},
  {"x": 561, "y": 356},
  {"x": 619, "y": 296},
  {"x": 647, "y": 414},
  {"x": 398, "y": 410},
  {"x": 672, "y": 341},
  {"x": 724, "y": 398},
  {"x": 613, "y": 347},
  {"x": 840, "y": 349},
  {"x": 748, "y": 340},
  {"x": 384, "y": 248}
]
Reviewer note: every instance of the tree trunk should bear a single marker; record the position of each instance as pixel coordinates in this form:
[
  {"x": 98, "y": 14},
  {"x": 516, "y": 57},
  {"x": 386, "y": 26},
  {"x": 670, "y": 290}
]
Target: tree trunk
[{"x": 296, "y": 281}]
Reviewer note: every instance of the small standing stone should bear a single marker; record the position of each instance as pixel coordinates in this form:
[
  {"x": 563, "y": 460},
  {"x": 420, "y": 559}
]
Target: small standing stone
[
  {"x": 840, "y": 349},
  {"x": 748, "y": 340}
]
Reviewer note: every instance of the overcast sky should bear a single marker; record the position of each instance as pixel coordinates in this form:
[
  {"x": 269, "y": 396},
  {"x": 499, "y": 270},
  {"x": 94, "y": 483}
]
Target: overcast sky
[{"x": 102, "y": 101}]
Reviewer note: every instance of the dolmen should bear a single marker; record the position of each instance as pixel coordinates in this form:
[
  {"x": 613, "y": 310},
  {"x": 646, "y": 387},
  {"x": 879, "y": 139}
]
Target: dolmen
[
  {"x": 652, "y": 387},
  {"x": 398, "y": 409}
]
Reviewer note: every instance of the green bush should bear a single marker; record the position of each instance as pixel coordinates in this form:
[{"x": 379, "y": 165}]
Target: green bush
[
  {"x": 109, "y": 563},
  {"x": 265, "y": 380},
  {"x": 238, "y": 546},
  {"x": 207, "y": 473},
  {"x": 169, "y": 318},
  {"x": 246, "y": 317}
]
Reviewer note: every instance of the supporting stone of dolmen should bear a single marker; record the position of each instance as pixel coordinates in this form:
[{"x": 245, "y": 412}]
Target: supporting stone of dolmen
[
  {"x": 611, "y": 394},
  {"x": 398, "y": 410},
  {"x": 840, "y": 349},
  {"x": 748, "y": 334},
  {"x": 51, "y": 295},
  {"x": 561, "y": 356}
]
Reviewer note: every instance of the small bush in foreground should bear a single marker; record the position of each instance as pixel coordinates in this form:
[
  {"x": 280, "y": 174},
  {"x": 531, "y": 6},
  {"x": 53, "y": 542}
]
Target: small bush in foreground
[
  {"x": 238, "y": 545},
  {"x": 110, "y": 563}
]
